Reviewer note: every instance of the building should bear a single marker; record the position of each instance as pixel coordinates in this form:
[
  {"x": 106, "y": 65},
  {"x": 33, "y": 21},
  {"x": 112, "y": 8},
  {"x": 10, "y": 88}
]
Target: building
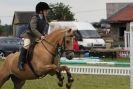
[
  {"x": 119, "y": 15},
  {"x": 21, "y": 21}
]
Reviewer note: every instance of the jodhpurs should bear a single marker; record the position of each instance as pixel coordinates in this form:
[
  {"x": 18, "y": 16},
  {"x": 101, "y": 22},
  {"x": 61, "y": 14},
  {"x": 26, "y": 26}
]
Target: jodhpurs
[{"x": 27, "y": 43}]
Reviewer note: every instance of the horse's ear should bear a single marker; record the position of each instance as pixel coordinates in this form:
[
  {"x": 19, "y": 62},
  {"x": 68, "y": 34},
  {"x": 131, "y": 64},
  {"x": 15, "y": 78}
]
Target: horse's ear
[
  {"x": 78, "y": 35},
  {"x": 69, "y": 30}
]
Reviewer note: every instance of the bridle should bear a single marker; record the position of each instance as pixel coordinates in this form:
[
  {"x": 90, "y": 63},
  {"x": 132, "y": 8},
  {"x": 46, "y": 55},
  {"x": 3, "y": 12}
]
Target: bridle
[{"x": 60, "y": 48}]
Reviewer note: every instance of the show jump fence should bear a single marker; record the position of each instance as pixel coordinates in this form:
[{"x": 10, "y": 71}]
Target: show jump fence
[{"x": 97, "y": 70}]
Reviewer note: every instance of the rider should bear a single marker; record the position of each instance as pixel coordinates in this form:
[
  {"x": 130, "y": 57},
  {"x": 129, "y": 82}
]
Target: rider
[{"x": 38, "y": 28}]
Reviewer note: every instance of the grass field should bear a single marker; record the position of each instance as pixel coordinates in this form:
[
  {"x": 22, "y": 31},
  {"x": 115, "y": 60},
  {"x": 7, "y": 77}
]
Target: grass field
[
  {"x": 116, "y": 59},
  {"x": 81, "y": 82}
]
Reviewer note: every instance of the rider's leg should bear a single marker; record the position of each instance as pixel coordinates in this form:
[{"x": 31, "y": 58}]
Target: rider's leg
[{"x": 23, "y": 52}]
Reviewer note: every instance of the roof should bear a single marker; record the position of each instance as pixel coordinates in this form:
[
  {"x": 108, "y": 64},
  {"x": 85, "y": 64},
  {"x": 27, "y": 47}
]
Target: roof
[
  {"x": 125, "y": 14},
  {"x": 22, "y": 17}
]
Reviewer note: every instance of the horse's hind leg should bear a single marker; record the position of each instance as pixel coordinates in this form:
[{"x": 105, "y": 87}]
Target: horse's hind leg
[{"x": 18, "y": 84}]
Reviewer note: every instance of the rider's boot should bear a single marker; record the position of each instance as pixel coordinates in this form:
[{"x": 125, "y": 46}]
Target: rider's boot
[{"x": 22, "y": 59}]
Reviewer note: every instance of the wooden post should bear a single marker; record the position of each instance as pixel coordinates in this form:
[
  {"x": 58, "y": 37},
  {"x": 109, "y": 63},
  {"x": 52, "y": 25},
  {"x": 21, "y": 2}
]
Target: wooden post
[{"x": 131, "y": 55}]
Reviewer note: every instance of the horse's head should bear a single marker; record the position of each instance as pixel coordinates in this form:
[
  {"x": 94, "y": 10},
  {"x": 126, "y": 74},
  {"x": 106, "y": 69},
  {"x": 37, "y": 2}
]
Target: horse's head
[
  {"x": 67, "y": 43},
  {"x": 62, "y": 41}
]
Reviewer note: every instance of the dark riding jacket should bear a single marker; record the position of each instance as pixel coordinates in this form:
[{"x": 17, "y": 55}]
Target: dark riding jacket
[{"x": 37, "y": 28}]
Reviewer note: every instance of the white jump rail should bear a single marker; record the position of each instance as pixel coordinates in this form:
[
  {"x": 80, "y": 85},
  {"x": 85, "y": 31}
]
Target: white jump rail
[{"x": 97, "y": 70}]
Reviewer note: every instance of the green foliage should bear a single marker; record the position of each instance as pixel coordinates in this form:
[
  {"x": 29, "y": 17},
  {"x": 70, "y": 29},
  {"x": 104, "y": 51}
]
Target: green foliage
[
  {"x": 1, "y": 30},
  {"x": 60, "y": 12},
  {"x": 5, "y": 30}
]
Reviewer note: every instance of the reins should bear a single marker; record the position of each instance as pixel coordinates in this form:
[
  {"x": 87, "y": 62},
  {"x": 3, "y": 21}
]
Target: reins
[
  {"x": 47, "y": 48},
  {"x": 59, "y": 48}
]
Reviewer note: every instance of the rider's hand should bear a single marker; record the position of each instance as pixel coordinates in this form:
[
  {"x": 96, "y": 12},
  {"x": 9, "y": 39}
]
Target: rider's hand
[
  {"x": 42, "y": 37},
  {"x": 46, "y": 35}
]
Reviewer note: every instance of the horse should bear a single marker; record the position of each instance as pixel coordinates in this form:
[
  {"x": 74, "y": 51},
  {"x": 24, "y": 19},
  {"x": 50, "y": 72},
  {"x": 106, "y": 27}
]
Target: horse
[{"x": 44, "y": 60}]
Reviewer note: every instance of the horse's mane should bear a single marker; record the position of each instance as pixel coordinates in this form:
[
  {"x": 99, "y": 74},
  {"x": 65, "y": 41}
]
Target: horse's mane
[{"x": 57, "y": 31}]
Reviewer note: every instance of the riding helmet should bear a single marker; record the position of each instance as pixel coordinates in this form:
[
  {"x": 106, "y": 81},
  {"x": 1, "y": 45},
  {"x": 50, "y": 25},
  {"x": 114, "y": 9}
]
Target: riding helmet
[{"x": 42, "y": 6}]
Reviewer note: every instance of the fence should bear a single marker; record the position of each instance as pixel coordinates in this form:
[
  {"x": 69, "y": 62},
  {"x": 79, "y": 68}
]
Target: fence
[{"x": 125, "y": 71}]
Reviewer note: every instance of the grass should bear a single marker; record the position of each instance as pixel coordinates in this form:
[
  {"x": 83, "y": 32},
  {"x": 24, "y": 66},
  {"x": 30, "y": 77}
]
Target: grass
[
  {"x": 81, "y": 82},
  {"x": 116, "y": 59}
]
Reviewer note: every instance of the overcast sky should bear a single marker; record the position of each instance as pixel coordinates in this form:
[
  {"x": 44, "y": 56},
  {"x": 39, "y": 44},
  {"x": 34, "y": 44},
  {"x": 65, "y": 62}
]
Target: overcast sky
[{"x": 84, "y": 10}]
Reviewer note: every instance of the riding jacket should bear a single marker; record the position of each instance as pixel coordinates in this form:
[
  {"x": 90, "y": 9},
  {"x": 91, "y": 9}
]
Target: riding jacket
[{"x": 37, "y": 27}]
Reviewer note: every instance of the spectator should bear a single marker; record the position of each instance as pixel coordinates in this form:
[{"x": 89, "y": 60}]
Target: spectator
[{"x": 75, "y": 45}]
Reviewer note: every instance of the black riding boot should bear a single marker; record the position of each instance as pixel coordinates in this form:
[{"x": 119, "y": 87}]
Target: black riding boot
[{"x": 22, "y": 59}]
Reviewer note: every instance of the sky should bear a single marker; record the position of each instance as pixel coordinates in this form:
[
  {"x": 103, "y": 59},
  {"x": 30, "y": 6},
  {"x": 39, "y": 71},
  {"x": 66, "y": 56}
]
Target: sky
[{"x": 84, "y": 10}]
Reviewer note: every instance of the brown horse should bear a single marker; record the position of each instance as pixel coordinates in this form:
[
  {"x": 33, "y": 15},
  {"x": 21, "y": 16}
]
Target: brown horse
[{"x": 43, "y": 61}]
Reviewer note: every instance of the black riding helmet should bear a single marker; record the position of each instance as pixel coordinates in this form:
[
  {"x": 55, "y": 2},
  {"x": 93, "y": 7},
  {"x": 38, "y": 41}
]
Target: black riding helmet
[{"x": 42, "y": 6}]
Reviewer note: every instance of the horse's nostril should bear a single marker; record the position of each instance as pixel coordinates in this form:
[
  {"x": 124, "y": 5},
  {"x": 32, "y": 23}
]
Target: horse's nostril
[{"x": 70, "y": 55}]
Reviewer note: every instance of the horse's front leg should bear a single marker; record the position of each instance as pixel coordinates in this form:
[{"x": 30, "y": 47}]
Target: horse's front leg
[
  {"x": 69, "y": 76},
  {"x": 47, "y": 69},
  {"x": 53, "y": 69}
]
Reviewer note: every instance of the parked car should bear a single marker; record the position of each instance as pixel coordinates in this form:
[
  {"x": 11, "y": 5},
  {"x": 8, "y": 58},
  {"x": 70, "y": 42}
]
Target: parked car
[{"x": 9, "y": 45}]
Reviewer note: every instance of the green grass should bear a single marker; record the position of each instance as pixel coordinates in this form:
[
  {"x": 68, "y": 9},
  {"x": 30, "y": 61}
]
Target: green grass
[
  {"x": 81, "y": 82},
  {"x": 116, "y": 59}
]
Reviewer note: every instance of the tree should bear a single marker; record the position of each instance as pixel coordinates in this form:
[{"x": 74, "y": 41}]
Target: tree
[
  {"x": 103, "y": 21},
  {"x": 60, "y": 12},
  {"x": 1, "y": 31},
  {"x": 5, "y": 30}
]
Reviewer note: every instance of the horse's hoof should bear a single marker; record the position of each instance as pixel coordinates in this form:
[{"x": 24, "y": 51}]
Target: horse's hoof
[
  {"x": 68, "y": 85},
  {"x": 71, "y": 80},
  {"x": 60, "y": 84},
  {"x": 62, "y": 78}
]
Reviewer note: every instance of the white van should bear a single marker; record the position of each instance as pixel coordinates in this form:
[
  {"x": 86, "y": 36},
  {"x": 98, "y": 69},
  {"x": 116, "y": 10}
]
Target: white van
[{"x": 91, "y": 38}]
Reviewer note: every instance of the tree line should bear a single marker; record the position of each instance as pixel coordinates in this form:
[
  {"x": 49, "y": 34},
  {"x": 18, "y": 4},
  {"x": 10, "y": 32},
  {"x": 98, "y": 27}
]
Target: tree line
[{"x": 5, "y": 30}]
